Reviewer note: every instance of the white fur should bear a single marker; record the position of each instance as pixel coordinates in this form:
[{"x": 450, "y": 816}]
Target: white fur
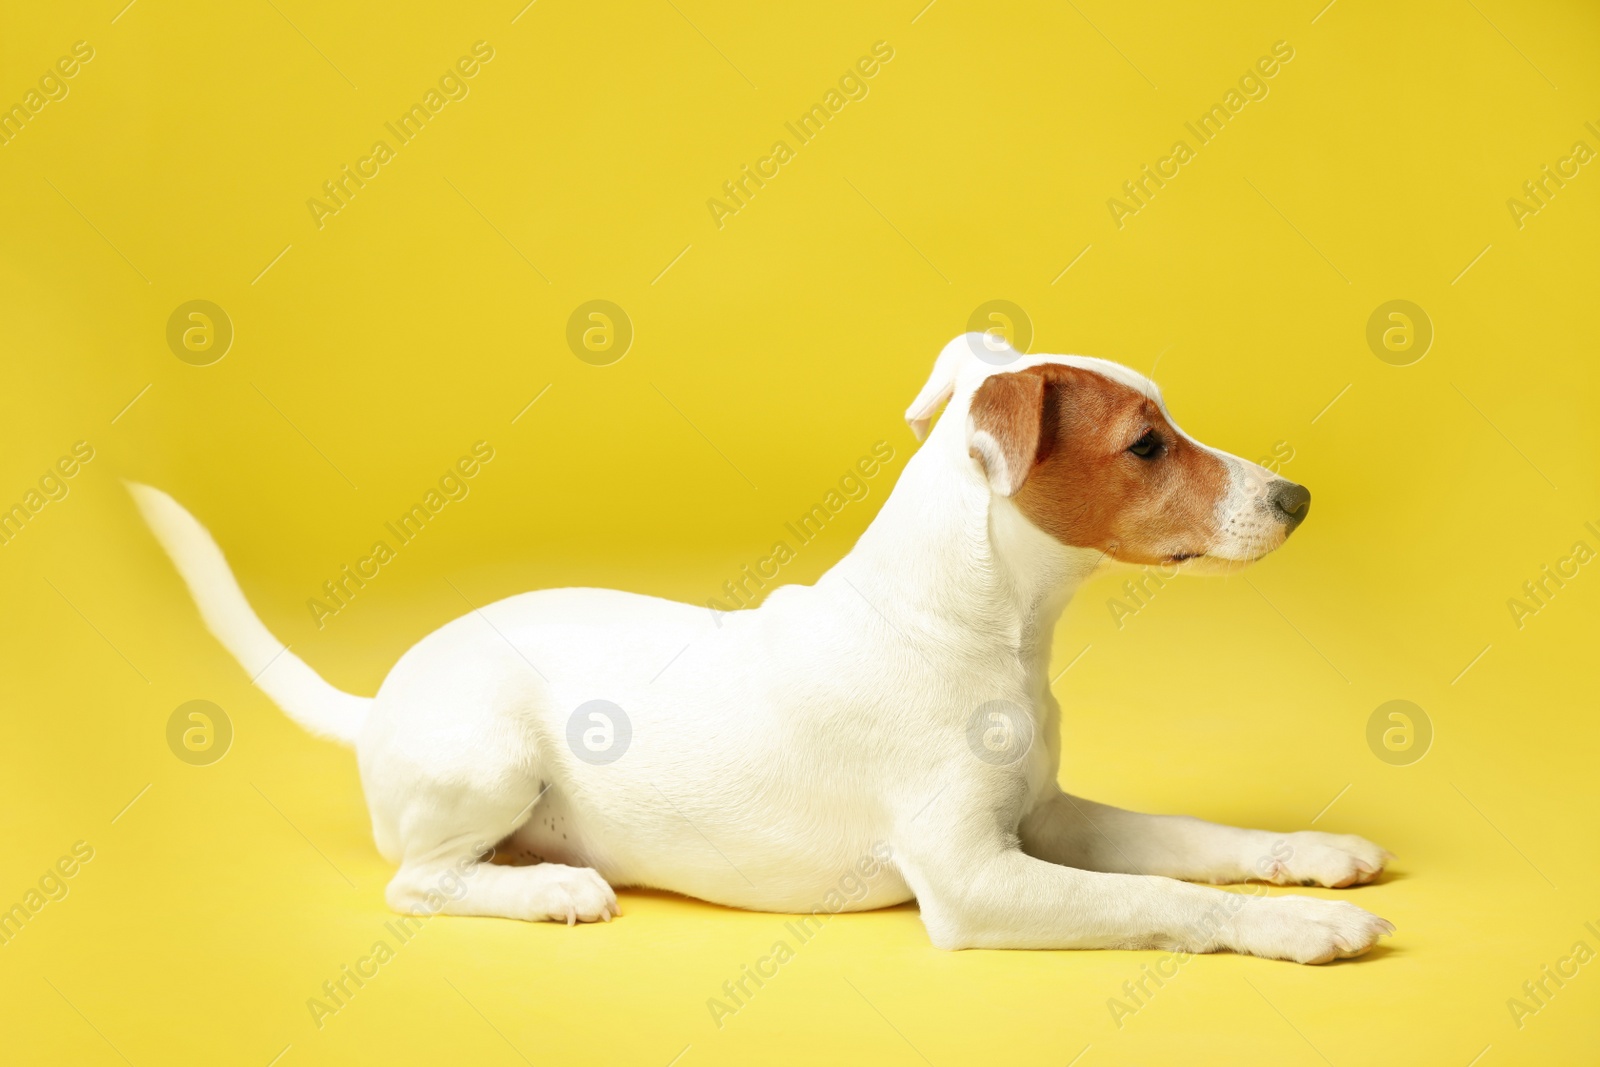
[
  {"x": 774, "y": 748},
  {"x": 293, "y": 686}
]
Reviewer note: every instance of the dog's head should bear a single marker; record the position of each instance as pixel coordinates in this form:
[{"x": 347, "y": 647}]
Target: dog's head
[{"x": 1088, "y": 454}]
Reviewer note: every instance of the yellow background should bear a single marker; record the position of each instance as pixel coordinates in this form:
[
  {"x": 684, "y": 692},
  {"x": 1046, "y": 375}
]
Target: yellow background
[{"x": 768, "y": 356}]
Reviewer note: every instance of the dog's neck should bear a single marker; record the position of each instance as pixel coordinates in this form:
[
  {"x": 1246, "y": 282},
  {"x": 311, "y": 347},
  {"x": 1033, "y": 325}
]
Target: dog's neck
[{"x": 950, "y": 564}]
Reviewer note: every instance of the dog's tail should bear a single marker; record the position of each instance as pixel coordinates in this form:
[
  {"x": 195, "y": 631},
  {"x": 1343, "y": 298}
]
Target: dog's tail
[{"x": 293, "y": 686}]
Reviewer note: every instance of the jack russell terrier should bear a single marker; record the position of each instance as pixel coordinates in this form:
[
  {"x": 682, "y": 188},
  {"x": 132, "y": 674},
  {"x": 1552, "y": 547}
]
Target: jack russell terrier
[{"x": 902, "y": 700}]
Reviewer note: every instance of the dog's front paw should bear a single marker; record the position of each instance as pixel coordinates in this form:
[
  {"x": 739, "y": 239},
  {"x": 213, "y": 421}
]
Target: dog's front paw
[
  {"x": 1330, "y": 860},
  {"x": 558, "y": 893},
  {"x": 1305, "y": 929}
]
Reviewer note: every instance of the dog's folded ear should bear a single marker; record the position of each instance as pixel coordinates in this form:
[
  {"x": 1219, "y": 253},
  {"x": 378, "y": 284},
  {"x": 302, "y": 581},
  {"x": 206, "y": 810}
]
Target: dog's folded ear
[
  {"x": 941, "y": 383},
  {"x": 1005, "y": 425}
]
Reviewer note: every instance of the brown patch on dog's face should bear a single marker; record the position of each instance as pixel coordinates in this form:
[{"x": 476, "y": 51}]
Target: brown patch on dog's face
[{"x": 1094, "y": 463}]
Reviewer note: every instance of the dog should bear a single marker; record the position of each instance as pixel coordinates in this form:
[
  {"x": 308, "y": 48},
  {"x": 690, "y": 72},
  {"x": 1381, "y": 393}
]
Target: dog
[{"x": 898, "y": 710}]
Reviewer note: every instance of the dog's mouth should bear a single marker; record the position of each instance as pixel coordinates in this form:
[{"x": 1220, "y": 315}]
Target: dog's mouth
[{"x": 1184, "y": 557}]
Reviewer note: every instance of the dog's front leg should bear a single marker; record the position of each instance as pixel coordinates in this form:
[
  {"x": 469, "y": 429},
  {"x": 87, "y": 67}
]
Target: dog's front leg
[
  {"x": 978, "y": 889},
  {"x": 1097, "y": 837}
]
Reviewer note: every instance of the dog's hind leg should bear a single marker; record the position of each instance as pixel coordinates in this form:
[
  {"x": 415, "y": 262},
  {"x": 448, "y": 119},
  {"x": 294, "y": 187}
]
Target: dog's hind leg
[
  {"x": 1097, "y": 837},
  {"x": 449, "y": 833}
]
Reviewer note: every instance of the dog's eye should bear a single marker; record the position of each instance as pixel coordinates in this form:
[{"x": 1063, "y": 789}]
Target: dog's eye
[{"x": 1147, "y": 447}]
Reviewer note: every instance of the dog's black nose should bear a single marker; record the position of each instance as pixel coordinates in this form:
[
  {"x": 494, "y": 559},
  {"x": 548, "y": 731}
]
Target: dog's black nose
[{"x": 1291, "y": 503}]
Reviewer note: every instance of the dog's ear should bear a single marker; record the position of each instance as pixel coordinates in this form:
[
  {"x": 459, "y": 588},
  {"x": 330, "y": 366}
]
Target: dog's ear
[
  {"x": 941, "y": 383},
  {"x": 1006, "y": 427},
  {"x": 936, "y": 390}
]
